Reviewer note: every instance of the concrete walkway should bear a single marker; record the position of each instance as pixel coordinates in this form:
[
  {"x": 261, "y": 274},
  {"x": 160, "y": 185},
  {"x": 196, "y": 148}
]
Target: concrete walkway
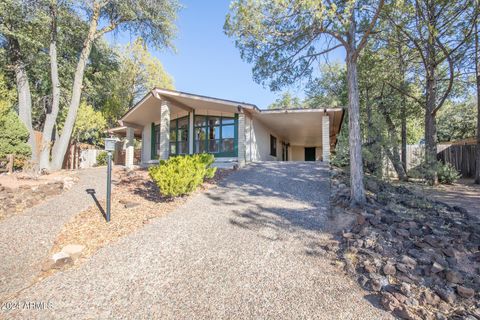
[
  {"x": 26, "y": 238},
  {"x": 245, "y": 250}
]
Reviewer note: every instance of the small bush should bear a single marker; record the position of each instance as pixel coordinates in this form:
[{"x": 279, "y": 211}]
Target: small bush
[
  {"x": 447, "y": 173},
  {"x": 182, "y": 174},
  {"x": 102, "y": 158}
]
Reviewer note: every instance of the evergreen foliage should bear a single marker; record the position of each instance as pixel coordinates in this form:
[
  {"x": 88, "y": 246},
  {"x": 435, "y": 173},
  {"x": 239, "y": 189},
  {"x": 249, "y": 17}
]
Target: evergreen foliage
[{"x": 182, "y": 175}]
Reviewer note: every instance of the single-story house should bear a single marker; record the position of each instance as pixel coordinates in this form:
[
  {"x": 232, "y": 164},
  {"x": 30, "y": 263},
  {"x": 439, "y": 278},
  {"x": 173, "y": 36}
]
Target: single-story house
[{"x": 171, "y": 122}]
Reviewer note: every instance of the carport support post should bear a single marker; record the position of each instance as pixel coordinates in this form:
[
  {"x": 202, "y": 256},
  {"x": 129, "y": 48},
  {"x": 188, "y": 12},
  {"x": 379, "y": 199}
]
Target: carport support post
[
  {"x": 241, "y": 139},
  {"x": 129, "y": 148},
  {"x": 164, "y": 130},
  {"x": 326, "y": 138}
]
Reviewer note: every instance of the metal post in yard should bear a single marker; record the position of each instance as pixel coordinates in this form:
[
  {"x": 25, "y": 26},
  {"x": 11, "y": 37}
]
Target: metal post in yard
[
  {"x": 109, "y": 147},
  {"x": 109, "y": 184}
]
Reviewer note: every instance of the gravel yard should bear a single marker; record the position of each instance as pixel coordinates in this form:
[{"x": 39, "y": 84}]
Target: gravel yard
[
  {"x": 26, "y": 238},
  {"x": 250, "y": 248}
]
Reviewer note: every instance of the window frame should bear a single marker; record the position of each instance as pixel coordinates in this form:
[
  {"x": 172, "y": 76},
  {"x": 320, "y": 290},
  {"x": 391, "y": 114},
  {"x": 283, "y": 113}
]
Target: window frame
[
  {"x": 206, "y": 127},
  {"x": 177, "y": 141}
]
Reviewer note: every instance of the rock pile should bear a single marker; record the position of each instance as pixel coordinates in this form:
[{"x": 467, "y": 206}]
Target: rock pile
[
  {"x": 420, "y": 257},
  {"x": 14, "y": 200},
  {"x": 26, "y": 196}
]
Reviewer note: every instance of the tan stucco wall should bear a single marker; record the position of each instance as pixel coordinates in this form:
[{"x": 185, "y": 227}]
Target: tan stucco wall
[
  {"x": 257, "y": 141},
  {"x": 297, "y": 153}
]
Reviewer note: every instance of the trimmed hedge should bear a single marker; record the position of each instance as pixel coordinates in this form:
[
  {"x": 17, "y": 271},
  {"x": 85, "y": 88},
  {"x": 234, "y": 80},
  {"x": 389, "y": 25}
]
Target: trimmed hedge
[{"x": 182, "y": 175}]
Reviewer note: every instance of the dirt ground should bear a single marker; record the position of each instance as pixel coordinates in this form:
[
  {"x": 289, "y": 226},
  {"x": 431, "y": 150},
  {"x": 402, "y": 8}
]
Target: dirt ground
[{"x": 464, "y": 194}]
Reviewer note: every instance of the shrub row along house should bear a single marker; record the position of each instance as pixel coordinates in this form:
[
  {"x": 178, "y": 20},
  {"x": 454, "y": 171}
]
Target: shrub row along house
[{"x": 176, "y": 123}]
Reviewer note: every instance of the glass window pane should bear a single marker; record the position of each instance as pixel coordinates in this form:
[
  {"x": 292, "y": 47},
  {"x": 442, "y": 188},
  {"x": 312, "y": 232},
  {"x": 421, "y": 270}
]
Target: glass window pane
[
  {"x": 228, "y": 132},
  {"x": 183, "y": 123},
  {"x": 200, "y": 134},
  {"x": 200, "y": 121},
  {"x": 173, "y": 124},
  {"x": 213, "y": 146},
  {"x": 213, "y": 121},
  {"x": 173, "y": 148},
  {"x": 228, "y": 145},
  {"x": 183, "y": 147},
  {"x": 182, "y": 134},
  {"x": 173, "y": 135},
  {"x": 200, "y": 146},
  {"x": 228, "y": 120},
  {"x": 213, "y": 132}
]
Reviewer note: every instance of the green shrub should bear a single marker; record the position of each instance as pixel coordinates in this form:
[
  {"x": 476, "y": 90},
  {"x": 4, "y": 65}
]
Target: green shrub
[
  {"x": 13, "y": 134},
  {"x": 102, "y": 158},
  {"x": 447, "y": 173},
  {"x": 182, "y": 174}
]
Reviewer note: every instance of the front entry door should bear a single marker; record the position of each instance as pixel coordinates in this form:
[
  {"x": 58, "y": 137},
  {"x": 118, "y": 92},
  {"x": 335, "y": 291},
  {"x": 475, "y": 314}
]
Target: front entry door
[{"x": 309, "y": 154}]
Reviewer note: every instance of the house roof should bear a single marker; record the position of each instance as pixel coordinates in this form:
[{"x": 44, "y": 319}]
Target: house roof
[
  {"x": 180, "y": 101},
  {"x": 300, "y": 126}
]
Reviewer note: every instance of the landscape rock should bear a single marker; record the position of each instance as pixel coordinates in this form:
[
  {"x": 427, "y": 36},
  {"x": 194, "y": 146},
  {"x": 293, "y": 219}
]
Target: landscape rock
[
  {"x": 446, "y": 294},
  {"x": 73, "y": 250},
  {"x": 389, "y": 302},
  {"x": 436, "y": 268},
  {"x": 465, "y": 292},
  {"x": 389, "y": 269},
  {"x": 409, "y": 261},
  {"x": 454, "y": 277},
  {"x": 57, "y": 261},
  {"x": 404, "y": 313},
  {"x": 419, "y": 254}
]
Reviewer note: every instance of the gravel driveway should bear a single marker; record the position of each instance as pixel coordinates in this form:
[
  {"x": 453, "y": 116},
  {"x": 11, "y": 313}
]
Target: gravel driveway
[
  {"x": 26, "y": 238},
  {"x": 247, "y": 249}
]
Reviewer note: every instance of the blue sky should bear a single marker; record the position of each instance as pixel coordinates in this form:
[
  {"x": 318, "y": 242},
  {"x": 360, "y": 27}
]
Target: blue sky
[{"x": 206, "y": 61}]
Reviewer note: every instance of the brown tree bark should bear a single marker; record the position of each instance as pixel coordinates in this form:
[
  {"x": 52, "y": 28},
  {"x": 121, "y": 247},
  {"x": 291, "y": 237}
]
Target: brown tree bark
[
  {"x": 61, "y": 145},
  {"x": 51, "y": 116},
  {"x": 477, "y": 73},
  {"x": 431, "y": 102},
  {"x": 356, "y": 161},
  {"x": 23, "y": 91},
  {"x": 392, "y": 153},
  {"x": 403, "y": 111}
]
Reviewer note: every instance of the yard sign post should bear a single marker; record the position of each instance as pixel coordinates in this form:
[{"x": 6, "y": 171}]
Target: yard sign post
[{"x": 109, "y": 147}]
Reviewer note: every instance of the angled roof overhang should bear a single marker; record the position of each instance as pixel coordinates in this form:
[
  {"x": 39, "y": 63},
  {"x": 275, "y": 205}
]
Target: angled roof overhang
[{"x": 302, "y": 126}]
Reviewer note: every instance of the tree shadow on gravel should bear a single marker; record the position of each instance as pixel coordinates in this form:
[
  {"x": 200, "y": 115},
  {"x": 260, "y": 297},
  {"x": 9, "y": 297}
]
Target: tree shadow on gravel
[{"x": 288, "y": 200}]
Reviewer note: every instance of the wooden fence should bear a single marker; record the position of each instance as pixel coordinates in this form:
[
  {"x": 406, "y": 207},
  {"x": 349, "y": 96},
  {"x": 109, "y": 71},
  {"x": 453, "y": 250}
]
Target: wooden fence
[{"x": 462, "y": 157}]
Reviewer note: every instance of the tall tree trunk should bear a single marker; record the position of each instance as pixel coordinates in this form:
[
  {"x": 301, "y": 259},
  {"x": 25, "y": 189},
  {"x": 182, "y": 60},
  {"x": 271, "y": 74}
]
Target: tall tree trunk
[
  {"x": 404, "y": 133},
  {"x": 403, "y": 111},
  {"x": 431, "y": 103},
  {"x": 477, "y": 73},
  {"x": 431, "y": 130},
  {"x": 51, "y": 116},
  {"x": 356, "y": 162},
  {"x": 23, "y": 91},
  {"x": 61, "y": 145},
  {"x": 392, "y": 153}
]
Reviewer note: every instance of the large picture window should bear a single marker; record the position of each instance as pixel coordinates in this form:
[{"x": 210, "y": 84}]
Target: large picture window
[
  {"x": 217, "y": 135},
  {"x": 179, "y": 136}
]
